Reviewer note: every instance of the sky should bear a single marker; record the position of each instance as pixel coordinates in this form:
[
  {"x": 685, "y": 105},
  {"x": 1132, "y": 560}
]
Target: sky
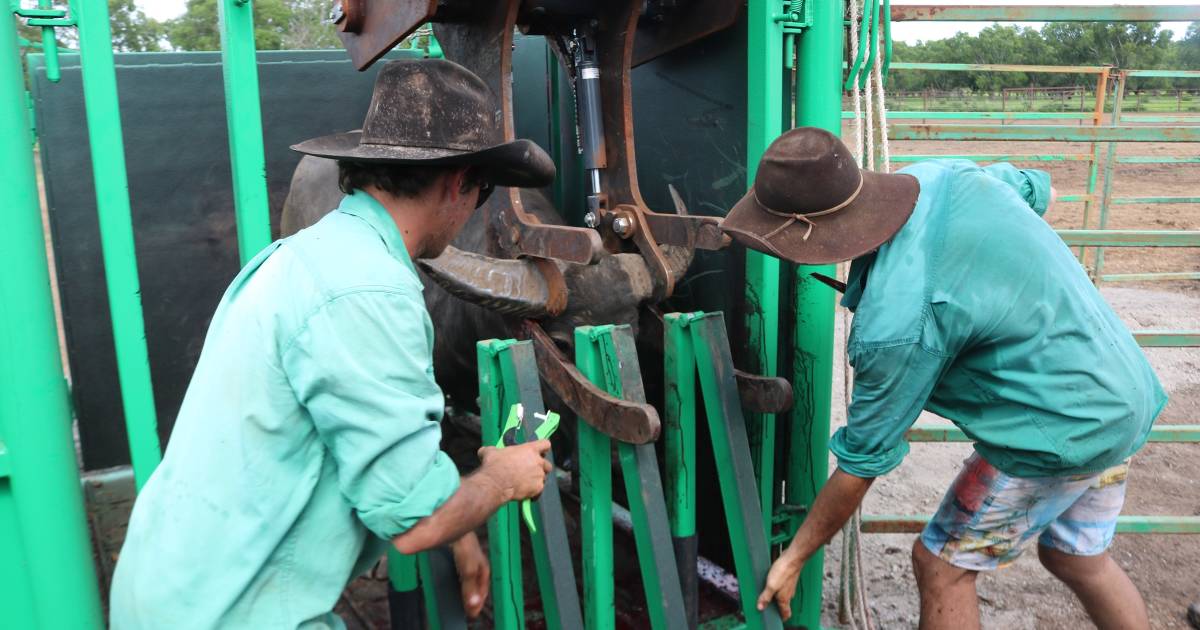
[{"x": 909, "y": 32}]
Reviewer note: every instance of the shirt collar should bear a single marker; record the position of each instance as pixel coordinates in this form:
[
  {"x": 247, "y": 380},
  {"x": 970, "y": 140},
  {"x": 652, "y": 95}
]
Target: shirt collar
[
  {"x": 362, "y": 205},
  {"x": 856, "y": 280}
]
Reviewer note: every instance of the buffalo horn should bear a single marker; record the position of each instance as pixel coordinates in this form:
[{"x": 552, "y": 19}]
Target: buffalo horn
[{"x": 510, "y": 287}]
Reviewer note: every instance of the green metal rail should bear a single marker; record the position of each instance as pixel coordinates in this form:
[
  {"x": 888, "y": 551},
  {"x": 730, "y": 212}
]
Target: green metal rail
[
  {"x": 1045, "y": 13},
  {"x": 46, "y": 574},
  {"x": 897, "y": 524}
]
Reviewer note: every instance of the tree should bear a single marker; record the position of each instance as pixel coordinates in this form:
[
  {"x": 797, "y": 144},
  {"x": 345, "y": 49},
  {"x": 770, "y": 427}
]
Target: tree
[
  {"x": 1187, "y": 52},
  {"x": 278, "y": 24}
]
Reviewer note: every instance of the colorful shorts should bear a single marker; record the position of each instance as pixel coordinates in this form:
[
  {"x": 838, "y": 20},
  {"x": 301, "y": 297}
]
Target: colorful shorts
[{"x": 987, "y": 518}]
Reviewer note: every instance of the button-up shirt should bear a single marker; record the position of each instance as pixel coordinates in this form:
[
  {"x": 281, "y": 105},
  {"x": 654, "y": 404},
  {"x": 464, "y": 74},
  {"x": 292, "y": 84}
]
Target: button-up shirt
[
  {"x": 977, "y": 311},
  {"x": 308, "y": 437}
]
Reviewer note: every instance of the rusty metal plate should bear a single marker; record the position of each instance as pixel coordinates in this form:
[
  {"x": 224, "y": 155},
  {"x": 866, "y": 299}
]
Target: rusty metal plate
[
  {"x": 763, "y": 394},
  {"x": 660, "y": 32},
  {"x": 624, "y": 420},
  {"x": 380, "y": 25}
]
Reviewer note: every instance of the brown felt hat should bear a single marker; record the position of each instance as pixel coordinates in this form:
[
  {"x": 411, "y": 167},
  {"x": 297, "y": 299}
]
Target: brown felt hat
[
  {"x": 432, "y": 112},
  {"x": 811, "y": 204}
]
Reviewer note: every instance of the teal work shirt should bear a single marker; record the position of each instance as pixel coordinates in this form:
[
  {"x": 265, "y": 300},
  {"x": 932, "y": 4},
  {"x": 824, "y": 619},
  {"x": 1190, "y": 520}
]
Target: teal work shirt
[
  {"x": 977, "y": 311},
  {"x": 308, "y": 437}
]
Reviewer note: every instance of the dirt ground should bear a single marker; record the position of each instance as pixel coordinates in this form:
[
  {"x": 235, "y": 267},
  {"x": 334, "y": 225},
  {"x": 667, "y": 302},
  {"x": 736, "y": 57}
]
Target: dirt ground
[{"x": 1164, "y": 479}]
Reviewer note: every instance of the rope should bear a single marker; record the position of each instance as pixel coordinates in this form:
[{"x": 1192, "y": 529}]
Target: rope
[{"x": 870, "y": 118}]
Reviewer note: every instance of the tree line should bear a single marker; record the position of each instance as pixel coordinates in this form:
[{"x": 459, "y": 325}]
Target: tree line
[{"x": 1130, "y": 45}]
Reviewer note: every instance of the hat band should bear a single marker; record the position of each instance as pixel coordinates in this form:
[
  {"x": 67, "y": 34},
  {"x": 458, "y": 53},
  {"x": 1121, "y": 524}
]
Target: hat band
[{"x": 793, "y": 217}]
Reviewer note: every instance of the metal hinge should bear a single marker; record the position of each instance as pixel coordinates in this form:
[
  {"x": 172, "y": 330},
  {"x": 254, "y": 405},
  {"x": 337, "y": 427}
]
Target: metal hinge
[{"x": 796, "y": 16}]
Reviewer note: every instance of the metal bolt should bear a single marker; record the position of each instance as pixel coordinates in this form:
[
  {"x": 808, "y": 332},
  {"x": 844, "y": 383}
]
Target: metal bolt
[
  {"x": 622, "y": 225},
  {"x": 591, "y": 220}
]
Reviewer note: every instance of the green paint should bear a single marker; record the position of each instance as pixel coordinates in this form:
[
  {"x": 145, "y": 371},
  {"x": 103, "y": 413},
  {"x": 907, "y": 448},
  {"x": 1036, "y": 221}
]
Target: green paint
[
  {"x": 1147, "y": 159},
  {"x": 1132, "y": 238},
  {"x": 244, "y": 117},
  {"x": 116, "y": 235},
  {"x": 1176, "y": 74},
  {"x": 433, "y": 617},
  {"x": 595, "y": 495},
  {"x": 1160, "y": 433},
  {"x": 1135, "y": 277},
  {"x": 679, "y": 427},
  {"x": 1167, "y": 338},
  {"x": 1044, "y": 133},
  {"x": 998, "y": 67},
  {"x": 818, "y": 103},
  {"x": 402, "y": 571},
  {"x": 1125, "y": 201},
  {"x": 504, "y": 541},
  {"x": 996, "y": 157},
  {"x": 1109, "y": 166},
  {"x": 47, "y": 579},
  {"x": 764, "y": 122},
  {"x": 612, "y": 366},
  {"x": 899, "y": 115}
]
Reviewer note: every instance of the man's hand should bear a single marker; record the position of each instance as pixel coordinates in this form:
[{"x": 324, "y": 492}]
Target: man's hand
[
  {"x": 781, "y": 583},
  {"x": 519, "y": 471},
  {"x": 474, "y": 573}
]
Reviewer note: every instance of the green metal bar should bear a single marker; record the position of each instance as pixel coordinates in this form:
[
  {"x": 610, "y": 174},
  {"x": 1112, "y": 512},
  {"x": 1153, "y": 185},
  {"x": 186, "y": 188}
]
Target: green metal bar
[
  {"x": 727, "y": 432},
  {"x": 5, "y": 466},
  {"x": 1047, "y": 133},
  {"x": 1131, "y": 524},
  {"x": 50, "y": 46},
  {"x": 620, "y": 375},
  {"x": 402, "y": 571},
  {"x": 996, "y": 157},
  {"x": 116, "y": 235},
  {"x": 679, "y": 447},
  {"x": 1167, "y": 338},
  {"x": 1125, "y": 201},
  {"x": 1147, "y": 159},
  {"x": 433, "y": 618},
  {"x": 1176, "y": 74},
  {"x": 818, "y": 103},
  {"x": 243, "y": 114},
  {"x": 556, "y": 576},
  {"x": 997, "y": 67},
  {"x": 1137, "y": 277},
  {"x": 595, "y": 498},
  {"x": 870, "y": 23},
  {"x": 1077, "y": 198},
  {"x": 1159, "y": 433},
  {"x": 764, "y": 122},
  {"x": 1132, "y": 238},
  {"x": 1045, "y": 13},
  {"x": 899, "y": 115},
  {"x": 47, "y": 579},
  {"x": 1163, "y": 119},
  {"x": 404, "y": 599},
  {"x": 504, "y": 542}
]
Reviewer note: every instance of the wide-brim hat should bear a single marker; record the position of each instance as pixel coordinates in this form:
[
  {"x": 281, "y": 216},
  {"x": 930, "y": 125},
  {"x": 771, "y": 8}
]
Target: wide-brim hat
[
  {"x": 811, "y": 204},
  {"x": 436, "y": 112}
]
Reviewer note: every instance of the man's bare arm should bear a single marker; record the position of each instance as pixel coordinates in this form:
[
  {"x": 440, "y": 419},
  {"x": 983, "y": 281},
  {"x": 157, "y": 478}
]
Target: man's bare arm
[
  {"x": 509, "y": 474},
  {"x": 834, "y": 505}
]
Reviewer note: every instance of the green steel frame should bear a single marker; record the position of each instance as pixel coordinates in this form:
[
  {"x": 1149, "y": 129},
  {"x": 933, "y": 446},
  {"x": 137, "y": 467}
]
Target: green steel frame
[{"x": 46, "y": 574}]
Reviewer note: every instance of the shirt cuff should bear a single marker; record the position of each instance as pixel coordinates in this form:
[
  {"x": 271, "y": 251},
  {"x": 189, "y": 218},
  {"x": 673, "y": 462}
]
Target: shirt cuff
[
  {"x": 436, "y": 487},
  {"x": 865, "y": 465},
  {"x": 1036, "y": 190}
]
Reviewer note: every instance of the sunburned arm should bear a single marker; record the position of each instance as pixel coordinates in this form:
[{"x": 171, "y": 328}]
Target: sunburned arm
[
  {"x": 509, "y": 474},
  {"x": 834, "y": 505}
]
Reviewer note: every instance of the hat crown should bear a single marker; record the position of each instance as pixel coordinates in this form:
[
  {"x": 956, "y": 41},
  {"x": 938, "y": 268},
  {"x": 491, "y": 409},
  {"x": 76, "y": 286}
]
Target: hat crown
[
  {"x": 431, "y": 103},
  {"x": 806, "y": 170}
]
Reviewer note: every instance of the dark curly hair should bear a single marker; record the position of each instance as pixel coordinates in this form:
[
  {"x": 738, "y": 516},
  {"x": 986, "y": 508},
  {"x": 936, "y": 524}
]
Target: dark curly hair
[{"x": 401, "y": 180}]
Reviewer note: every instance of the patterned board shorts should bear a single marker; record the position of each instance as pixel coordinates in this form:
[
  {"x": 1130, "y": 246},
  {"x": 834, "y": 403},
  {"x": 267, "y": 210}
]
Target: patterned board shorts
[{"x": 987, "y": 518}]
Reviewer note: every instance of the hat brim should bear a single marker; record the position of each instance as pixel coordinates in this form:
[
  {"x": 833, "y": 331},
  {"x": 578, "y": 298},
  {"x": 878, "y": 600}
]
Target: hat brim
[
  {"x": 880, "y": 210},
  {"x": 519, "y": 163}
]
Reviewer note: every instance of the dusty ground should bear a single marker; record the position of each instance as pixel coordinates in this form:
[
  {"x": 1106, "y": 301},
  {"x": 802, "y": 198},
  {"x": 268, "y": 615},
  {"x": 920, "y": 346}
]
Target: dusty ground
[{"x": 1165, "y": 478}]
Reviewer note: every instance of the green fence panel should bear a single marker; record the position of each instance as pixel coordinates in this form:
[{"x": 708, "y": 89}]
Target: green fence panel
[{"x": 1044, "y": 133}]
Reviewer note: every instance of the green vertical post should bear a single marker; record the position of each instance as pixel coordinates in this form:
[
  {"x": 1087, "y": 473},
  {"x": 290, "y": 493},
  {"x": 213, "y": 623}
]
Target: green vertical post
[
  {"x": 504, "y": 541},
  {"x": 243, "y": 114},
  {"x": 433, "y": 617},
  {"x": 46, "y": 574},
  {"x": 116, "y": 235},
  {"x": 404, "y": 598},
  {"x": 595, "y": 497},
  {"x": 764, "y": 123},
  {"x": 818, "y": 104},
  {"x": 679, "y": 445},
  {"x": 1110, "y": 163},
  {"x": 1094, "y": 163}
]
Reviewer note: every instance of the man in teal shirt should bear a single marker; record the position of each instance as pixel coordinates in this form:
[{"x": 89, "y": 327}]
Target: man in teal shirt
[
  {"x": 309, "y": 437},
  {"x": 966, "y": 303}
]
